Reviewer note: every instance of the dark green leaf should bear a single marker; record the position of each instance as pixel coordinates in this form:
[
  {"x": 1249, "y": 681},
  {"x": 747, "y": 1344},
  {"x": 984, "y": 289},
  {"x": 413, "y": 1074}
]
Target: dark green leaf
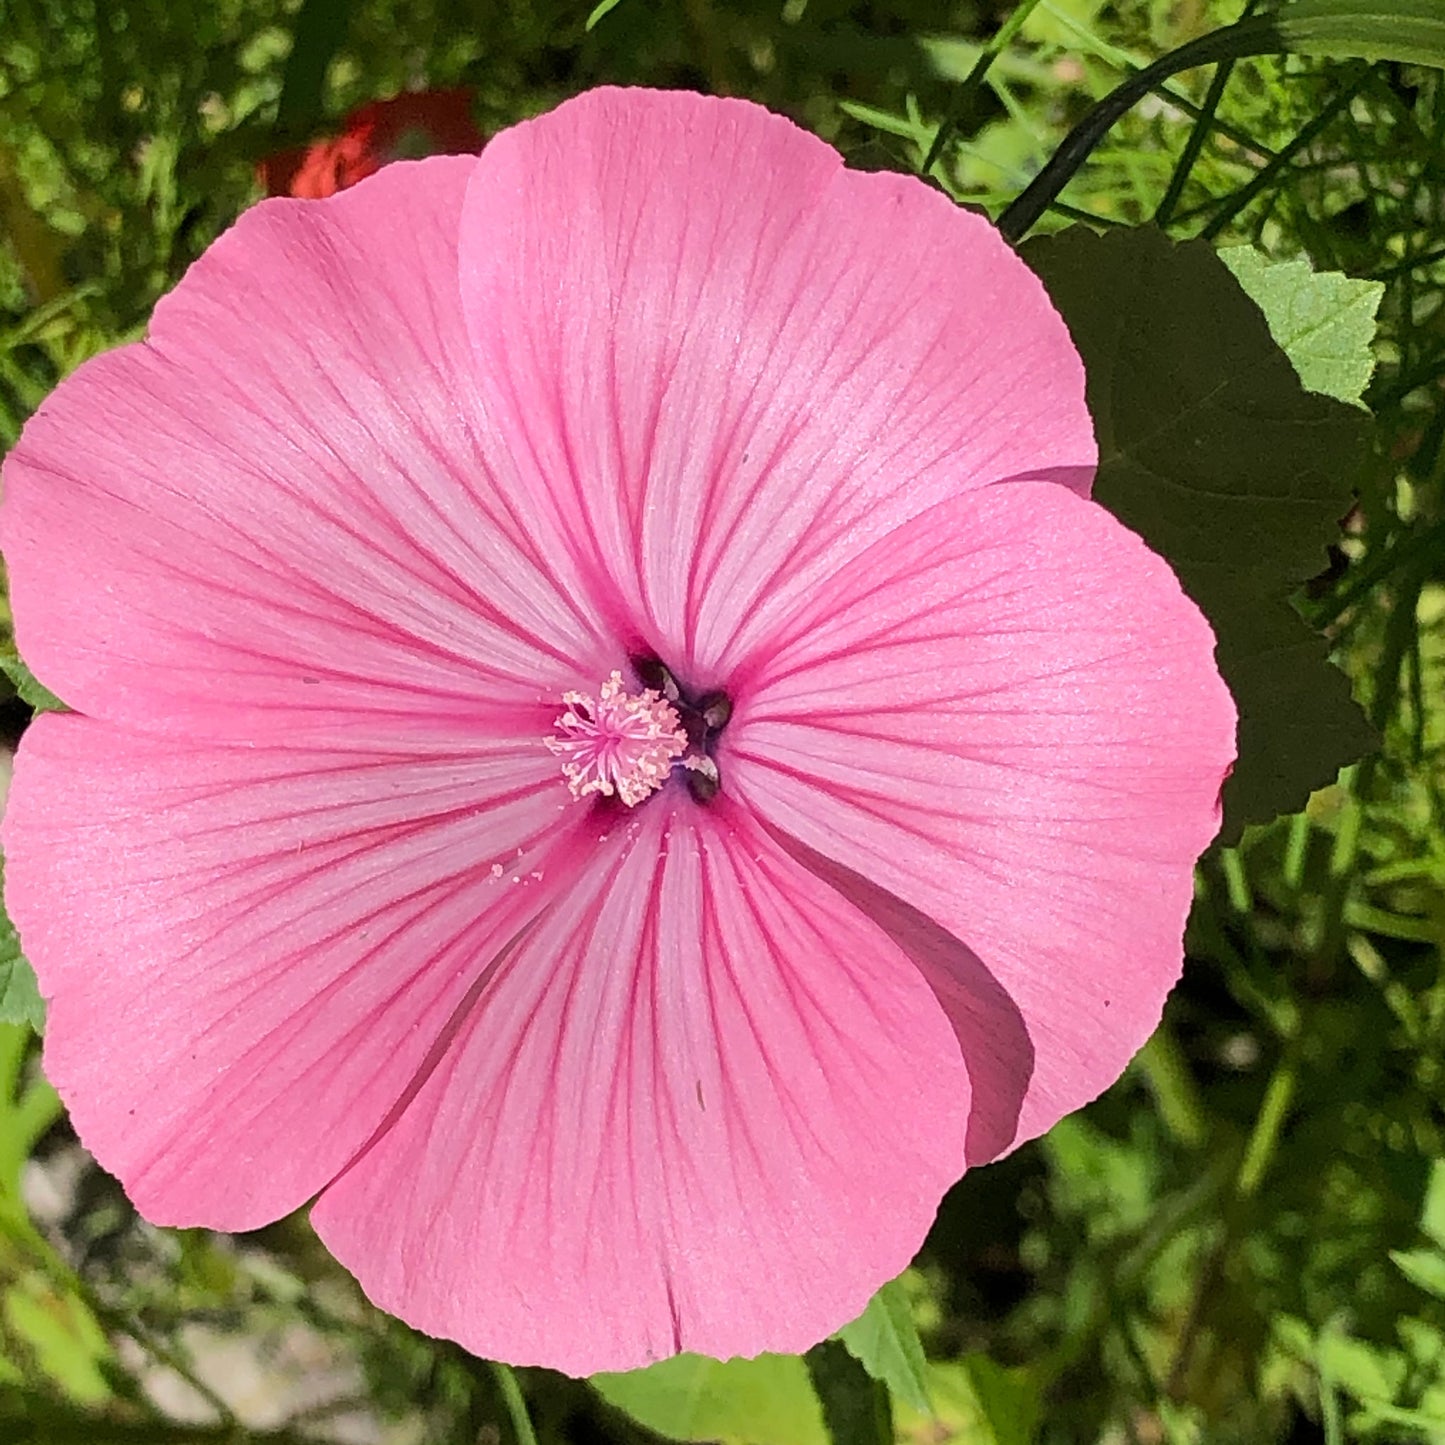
[
  {"x": 855, "y": 1405},
  {"x": 885, "y": 1341},
  {"x": 1212, "y": 450},
  {"x": 320, "y": 28},
  {"x": 20, "y": 1001}
]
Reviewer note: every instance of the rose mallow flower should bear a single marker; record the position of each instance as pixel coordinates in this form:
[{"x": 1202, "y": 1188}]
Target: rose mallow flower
[{"x": 611, "y": 748}]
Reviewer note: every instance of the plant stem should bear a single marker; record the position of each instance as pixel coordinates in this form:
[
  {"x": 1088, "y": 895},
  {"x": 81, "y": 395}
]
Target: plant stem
[
  {"x": 1267, "y": 173},
  {"x": 1264, "y": 1137},
  {"x": 1203, "y": 124},
  {"x": 1168, "y": 1079},
  {"x": 973, "y": 82},
  {"x": 1414, "y": 263},
  {"x": 516, "y": 1405},
  {"x": 1194, "y": 146},
  {"x": 1257, "y": 36}
]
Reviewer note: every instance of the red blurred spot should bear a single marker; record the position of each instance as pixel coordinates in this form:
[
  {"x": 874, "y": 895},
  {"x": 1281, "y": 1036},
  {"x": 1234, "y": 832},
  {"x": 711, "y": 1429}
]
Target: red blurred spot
[{"x": 415, "y": 124}]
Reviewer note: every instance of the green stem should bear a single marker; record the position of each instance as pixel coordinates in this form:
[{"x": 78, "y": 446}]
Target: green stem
[
  {"x": 1250, "y": 37},
  {"x": 38, "y": 1252},
  {"x": 1425, "y": 542},
  {"x": 1123, "y": 61},
  {"x": 1194, "y": 146},
  {"x": 1296, "y": 850},
  {"x": 1236, "y": 880},
  {"x": 1264, "y": 1137},
  {"x": 1412, "y": 30},
  {"x": 1203, "y": 124},
  {"x": 1167, "y": 1077},
  {"x": 1414, "y": 263},
  {"x": 515, "y": 1403},
  {"x": 1076, "y": 213},
  {"x": 1331, "y": 1417},
  {"x": 1253, "y": 1165},
  {"x": 1266, "y": 174},
  {"x": 972, "y": 83}
]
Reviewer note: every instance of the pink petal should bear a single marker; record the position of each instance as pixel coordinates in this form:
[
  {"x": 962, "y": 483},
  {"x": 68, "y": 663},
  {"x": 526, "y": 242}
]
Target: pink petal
[
  {"x": 705, "y": 1105},
  {"x": 1007, "y": 714},
  {"x": 277, "y": 513},
  {"x": 251, "y": 952},
  {"x": 725, "y": 363},
  {"x": 997, "y": 1051}
]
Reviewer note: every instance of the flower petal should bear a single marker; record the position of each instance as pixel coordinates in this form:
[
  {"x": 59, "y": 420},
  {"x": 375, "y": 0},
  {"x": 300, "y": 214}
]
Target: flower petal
[
  {"x": 997, "y": 1051},
  {"x": 250, "y": 952},
  {"x": 725, "y": 363},
  {"x": 705, "y": 1105},
  {"x": 1007, "y": 714},
  {"x": 276, "y": 513}
]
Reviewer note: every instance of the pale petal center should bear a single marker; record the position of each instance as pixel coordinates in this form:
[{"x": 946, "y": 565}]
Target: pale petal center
[{"x": 618, "y": 742}]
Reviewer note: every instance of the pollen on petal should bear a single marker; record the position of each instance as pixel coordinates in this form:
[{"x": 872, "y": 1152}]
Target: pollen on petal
[{"x": 617, "y": 742}]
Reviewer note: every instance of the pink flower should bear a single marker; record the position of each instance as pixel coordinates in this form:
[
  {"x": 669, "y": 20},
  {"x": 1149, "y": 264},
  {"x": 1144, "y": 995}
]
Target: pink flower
[{"x": 610, "y": 742}]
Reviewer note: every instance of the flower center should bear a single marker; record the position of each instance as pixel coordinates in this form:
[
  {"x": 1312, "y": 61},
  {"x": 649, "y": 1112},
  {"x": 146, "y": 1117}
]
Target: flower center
[
  {"x": 624, "y": 744},
  {"x": 617, "y": 742}
]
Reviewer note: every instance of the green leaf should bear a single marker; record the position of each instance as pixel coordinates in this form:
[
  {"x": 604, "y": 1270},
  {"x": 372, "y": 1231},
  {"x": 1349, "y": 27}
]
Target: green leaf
[
  {"x": 1432, "y": 1210},
  {"x": 1008, "y": 1400},
  {"x": 20, "y": 1001},
  {"x": 766, "y": 1401},
  {"x": 1367, "y": 1371},
  {"x": 1412, "y": 31},
  {"x": 1213, "y": 451},
  {"x": 68, "y": 1344},
  {"x": 1324, "y": 321},
  {"x": 884, "y": 1340},
  {"x": 27, "y": 685},
  {"x": 1424, "y": 1268},
  {"x": 855, "y": 1405},
  {"x": 976, "y": 1402}
]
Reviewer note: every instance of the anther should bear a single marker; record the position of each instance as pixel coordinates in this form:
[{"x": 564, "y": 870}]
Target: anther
[{"x": 618, "y": 742}]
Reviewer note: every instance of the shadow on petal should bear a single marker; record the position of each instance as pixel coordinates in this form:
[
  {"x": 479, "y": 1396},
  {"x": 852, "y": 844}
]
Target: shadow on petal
[
  {"x": 991, "y": 1032},
  {"x": 1079, "y": 480}
]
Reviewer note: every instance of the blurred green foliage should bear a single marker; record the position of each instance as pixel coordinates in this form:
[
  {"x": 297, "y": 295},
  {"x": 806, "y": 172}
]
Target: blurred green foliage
[{"x": 1244, "y": 1240}]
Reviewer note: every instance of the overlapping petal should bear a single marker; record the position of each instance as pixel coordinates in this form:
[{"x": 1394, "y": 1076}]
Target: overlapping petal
[
  {"x": 1006, "y": 714},
  {"x": 725, "y": 363},
  {"x": 704, "y": 1105},
  {"x": 276, "y": 513},
  {"x": 251, "y": 952}
]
